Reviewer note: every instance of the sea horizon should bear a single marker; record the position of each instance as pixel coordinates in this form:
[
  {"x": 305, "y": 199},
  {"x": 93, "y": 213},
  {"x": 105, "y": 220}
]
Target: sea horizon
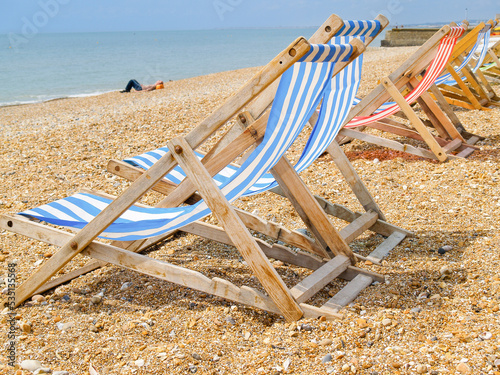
[{"x": 52, "y": 66}]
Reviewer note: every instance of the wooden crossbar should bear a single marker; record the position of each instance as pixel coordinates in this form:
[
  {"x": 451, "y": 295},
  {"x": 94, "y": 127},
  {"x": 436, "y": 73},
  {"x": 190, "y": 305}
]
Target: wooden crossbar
[{"x": 348, "y": 293}]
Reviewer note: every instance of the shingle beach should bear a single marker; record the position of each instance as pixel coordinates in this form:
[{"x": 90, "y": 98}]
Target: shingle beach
[{"x": 438, "y": 312}]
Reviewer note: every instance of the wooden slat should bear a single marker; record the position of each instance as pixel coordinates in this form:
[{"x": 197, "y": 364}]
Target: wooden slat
[
  {"x": 105, "y": 253},
  {"x": 403, "y": 131},
  {"x": 472, "y": 140},
  {"x": 381, "y": 227},
  {"x": 348, "y": 293},
  {"x": 389, "y": 143},
  {"x": 453, "y": 145},
  {"x": 352, "y": 178},
  {"x": 358, "y": 226},
  {"x": 352, "y": 272},
  {"x": 131, "y": 173},
  {"x": 436, "y": 115},
  {"x": 471, "y": 98},
  {"x": 276, "y": 251},
  {"x": 466, "y": 152},
  {"x": 309, "y": 210},
  {"x": 415, "y": 121},
  {"x": 445, "y": 106},
  {"x": 382, "y": 250},
  {"x": 313, "y": 283},
  {"x": 235, "y": 228}
]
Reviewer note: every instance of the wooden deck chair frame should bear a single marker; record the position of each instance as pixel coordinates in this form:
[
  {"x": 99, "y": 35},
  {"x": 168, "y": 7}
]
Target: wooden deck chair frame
[
  {"x": 475, "y": 92},
  {"x": 290, "y": 303},
  {"x": 491, "y": 63},
  {"x": 451, "y": 133},
  {"x": 359, "y": 222}
]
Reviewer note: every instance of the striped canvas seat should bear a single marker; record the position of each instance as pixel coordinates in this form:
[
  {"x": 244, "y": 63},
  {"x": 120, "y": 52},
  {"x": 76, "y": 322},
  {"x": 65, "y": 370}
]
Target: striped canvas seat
[
  {"x": 340, "y": 92},
  {"x": 432, "y": 73},
  {"x": 476, "y": 56},
  {"x": 300, "y": 90},
  {"x": 477, "y": 53}
]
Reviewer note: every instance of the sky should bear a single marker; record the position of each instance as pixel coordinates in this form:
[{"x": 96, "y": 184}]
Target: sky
[{"x": 39, "y": 16}]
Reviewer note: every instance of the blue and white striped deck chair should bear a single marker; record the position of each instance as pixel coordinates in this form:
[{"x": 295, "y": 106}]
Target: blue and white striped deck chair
[
  {"x": 300, "y": 91},
  {"x": 338, "y": 96}
]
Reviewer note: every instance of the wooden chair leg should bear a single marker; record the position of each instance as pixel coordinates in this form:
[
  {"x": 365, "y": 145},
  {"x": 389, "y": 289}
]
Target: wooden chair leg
[
  {"x": 415, "y": 120},
  {"x": 309, "y": 209},
  {"x": 235, "y": 228}
]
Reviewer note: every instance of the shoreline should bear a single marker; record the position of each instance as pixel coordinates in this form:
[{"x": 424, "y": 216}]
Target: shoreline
[{"x": 98, "y": 93}]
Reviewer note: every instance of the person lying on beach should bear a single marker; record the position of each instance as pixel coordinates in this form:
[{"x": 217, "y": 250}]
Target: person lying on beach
[{"x": 133, "y": 84}]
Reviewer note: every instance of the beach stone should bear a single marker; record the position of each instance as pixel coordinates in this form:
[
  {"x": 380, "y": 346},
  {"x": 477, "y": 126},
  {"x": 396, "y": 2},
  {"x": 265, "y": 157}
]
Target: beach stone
[
  {"x": 95, "y": 300},
  {"x": 38, "y": 298},
  {"x": 327, "y": 358},
  {"x": 65, "y": 326},
  {"x": 485, "y": 336},
  {"x": 463, "y": 368},
  {"x": 25, "y": 327},
  {"x": 60, "y": 373},
  {"x": 447, "y": 248},
  {"x": 306, "y": 327},
  {"x": 416, "y": 310},
  {"x": 196, "y": 356},
  {"x": 362, "y": 323},
  {"x": 441, "y": 251},
  {"x": 126, "y": 285},
  {"x": 497, "y": 363},
  {"x": 286, "y": 364},
  {"x": 42, "y": 370},
  {"x": 386, "y": 322},
  {"x": 31, "y": 365},
  {"x": 139, "y": 363},
  {"x": 325, "y": 342},
  {"x": 193, "y": 369},
  {"x": 421, "y": 369},
  {"x": 445, "y": 271}
]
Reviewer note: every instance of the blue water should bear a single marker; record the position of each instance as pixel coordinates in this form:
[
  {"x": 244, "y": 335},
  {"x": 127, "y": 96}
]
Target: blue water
[{"x": 49, "y": 66}]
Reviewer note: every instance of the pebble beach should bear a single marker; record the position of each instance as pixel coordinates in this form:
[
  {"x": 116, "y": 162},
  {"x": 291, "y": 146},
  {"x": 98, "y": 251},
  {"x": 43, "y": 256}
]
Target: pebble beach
[{"x": 437, "y": 312}]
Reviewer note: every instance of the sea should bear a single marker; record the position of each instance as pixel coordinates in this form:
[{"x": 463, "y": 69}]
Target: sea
[{"x": 46, "y": 66}]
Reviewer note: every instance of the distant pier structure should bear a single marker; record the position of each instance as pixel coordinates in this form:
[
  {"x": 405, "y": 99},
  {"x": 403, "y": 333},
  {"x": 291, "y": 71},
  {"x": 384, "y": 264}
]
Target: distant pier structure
[{"x": 404, "y": 37}]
